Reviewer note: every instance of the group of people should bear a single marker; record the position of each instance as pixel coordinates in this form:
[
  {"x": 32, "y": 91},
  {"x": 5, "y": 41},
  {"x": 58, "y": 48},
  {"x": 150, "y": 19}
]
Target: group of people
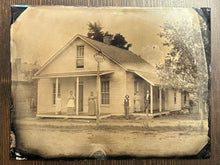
[
  {"x": 71, "y": 110},
  {"x": 137, "y": 103}
]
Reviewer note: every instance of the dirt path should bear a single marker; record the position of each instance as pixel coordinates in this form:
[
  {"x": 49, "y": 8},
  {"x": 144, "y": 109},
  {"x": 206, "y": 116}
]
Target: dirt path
[{"x": 53, "y": 142}]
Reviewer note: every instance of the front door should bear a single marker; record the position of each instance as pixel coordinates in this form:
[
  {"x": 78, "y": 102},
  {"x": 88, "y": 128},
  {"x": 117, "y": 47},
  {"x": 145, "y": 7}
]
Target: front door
[{"x": 80, "y": 97}]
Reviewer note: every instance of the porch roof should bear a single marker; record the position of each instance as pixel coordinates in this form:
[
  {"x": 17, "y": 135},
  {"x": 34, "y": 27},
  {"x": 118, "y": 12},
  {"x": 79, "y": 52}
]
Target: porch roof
[
  {"x": 151, "y": 78},
  {"x": 74, "y": 74}
]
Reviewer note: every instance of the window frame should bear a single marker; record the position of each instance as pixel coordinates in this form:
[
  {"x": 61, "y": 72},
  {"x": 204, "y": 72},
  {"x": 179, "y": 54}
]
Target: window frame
[
  {"x": 80, "y": 52},
  {"x": 105, "y": 93}
]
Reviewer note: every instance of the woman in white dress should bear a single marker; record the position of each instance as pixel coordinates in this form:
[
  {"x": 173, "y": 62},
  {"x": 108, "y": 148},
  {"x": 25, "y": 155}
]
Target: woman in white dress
[{"x": 71, "y": 104}]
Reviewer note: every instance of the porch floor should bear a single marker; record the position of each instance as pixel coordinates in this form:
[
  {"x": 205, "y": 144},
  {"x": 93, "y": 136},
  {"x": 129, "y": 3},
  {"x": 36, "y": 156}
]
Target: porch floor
[
  {"x": 80, "y": 116},
  {"x": 159, "y": 113},
  {"x": 102, "y": 115},
  {"x": 154, "y": 114}
]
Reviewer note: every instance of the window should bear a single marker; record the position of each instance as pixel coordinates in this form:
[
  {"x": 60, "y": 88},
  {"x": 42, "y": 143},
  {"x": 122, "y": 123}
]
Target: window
[
  {"x": 105, "y": 92},
  {"x": 80, "y": 57},
  {"x": 174, "y": 97},
  {"x": 184, "y": 97},
  {"x": 54, "y": 92}
]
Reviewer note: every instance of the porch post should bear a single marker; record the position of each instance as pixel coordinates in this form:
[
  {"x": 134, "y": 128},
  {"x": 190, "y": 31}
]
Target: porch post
[
  {"x": 151, "y": 99},
  {"x": 38, "y": 96},
  {"x": 57, "y": 82},
  {"x": 98, "y": 95},
  {"x": 160, "y": 95},
  {"x": 77, "y": 95}
]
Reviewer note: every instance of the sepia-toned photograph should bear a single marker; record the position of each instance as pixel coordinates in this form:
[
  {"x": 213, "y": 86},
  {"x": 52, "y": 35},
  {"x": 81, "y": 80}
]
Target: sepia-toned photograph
[{"x": 110, "y": 82}]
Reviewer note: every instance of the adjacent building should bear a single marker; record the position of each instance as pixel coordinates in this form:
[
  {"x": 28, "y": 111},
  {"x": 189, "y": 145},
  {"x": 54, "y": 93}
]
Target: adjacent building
[{"x": 24, "y": 88}]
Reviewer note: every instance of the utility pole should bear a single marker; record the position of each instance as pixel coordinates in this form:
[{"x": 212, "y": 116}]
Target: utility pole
[{"x": 99, "y": 58}]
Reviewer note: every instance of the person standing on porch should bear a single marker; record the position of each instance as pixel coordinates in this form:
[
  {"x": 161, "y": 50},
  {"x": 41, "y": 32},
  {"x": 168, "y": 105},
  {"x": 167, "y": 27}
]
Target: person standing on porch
[
  {"x": 126, "y": 106},
  {"x": 92, "y": 104},
  {"x": 147, "y": 101},
  {"x": 137, "y": 104},
  {"x": 71, "y": 104}
]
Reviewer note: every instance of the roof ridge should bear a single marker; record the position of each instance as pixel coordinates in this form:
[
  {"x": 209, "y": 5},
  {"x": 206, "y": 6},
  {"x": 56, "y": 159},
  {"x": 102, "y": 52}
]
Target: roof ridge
[
  {"x": 108, "y": 44},
  {"x": 139, "y": 56}
]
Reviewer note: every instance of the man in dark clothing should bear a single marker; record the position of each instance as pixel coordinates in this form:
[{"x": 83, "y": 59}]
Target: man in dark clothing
[{"x": 126, "y": 106}]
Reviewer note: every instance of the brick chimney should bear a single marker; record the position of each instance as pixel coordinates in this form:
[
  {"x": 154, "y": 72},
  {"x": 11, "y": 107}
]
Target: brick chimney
[{"x": 107, "y": 39}]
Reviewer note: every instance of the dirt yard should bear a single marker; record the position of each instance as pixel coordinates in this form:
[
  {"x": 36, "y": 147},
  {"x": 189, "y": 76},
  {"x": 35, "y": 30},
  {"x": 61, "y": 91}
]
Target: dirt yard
[{"x": 71, "y": 138}]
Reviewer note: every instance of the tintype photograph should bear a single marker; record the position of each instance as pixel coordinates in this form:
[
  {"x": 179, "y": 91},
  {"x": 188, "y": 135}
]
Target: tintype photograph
[{"x": 108, "y": 82}]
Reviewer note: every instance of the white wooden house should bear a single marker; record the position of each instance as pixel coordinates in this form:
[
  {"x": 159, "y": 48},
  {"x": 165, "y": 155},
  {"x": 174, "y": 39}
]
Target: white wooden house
[{"x": 73, "y": 68}]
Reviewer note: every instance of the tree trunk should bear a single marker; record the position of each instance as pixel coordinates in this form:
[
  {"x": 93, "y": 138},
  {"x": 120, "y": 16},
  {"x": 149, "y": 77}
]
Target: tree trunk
[{"x": 201, "y": 107}]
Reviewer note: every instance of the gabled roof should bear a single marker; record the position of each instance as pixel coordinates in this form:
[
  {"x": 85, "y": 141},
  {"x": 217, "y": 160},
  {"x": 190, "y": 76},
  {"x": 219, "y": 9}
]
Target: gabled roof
[{"x": 124, "y": 58}]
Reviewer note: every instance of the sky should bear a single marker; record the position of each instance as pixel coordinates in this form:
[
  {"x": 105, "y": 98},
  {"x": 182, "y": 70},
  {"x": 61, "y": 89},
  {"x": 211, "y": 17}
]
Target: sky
[{"x": 40, "y": 32}]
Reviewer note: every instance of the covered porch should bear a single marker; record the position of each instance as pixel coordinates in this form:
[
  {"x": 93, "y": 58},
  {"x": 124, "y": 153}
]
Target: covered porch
[
  {"x": 156, "y": 103},
  {"x": 152, "y": 95},
  {"x": 54, "y": 89}
]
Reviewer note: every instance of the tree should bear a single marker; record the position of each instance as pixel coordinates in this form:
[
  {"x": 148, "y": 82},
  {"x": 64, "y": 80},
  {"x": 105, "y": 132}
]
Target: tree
[
  {"x": 95, "y": 31},
  {"x": 108, "y": 34},
  {"x": 119, "y": 41},
  {"x": 185, "y": 66}
]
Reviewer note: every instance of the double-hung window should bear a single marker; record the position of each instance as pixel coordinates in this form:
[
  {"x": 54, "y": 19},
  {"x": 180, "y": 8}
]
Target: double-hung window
[
  {"x": 80, "y": 57},
  {"x": 105, "y": 92}
]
